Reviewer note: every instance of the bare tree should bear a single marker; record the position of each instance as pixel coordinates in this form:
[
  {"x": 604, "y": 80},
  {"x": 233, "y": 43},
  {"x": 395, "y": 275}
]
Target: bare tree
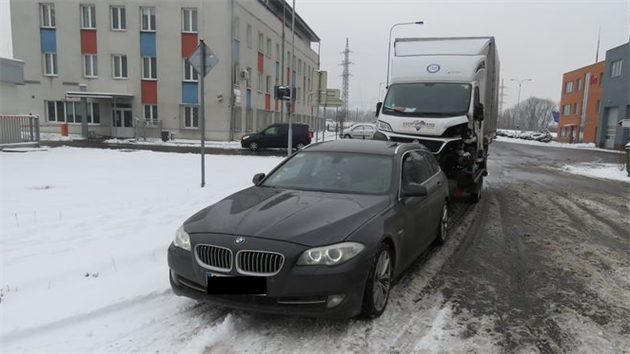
[{"x": 532, "y": 114}]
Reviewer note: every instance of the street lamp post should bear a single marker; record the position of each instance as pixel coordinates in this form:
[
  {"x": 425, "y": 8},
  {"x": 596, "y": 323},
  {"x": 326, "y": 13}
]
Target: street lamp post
[
  {"x": 520, "y": 83},
  {"x": 389, "y": 43}
]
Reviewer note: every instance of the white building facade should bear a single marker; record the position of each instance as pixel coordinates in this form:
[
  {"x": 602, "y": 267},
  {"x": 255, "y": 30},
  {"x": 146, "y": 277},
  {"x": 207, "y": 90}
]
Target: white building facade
[{"x": 121, "y": 65}]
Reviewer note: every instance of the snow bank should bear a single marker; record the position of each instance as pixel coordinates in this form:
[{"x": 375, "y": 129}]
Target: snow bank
[
  {"x": 599, "y": 170},
  {"x": 587, "y": 146}
]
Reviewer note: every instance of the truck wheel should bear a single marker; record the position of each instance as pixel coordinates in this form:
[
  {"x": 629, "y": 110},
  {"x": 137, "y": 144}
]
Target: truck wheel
[{"x": 476, "y": 190}]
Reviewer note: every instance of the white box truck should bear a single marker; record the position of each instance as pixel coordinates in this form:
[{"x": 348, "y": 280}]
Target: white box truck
[{"x": 443, "y": 93}]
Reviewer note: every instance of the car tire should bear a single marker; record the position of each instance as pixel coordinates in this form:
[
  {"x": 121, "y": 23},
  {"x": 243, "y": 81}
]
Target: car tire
[
  {"x": 442, "y": 234},
  {"x": 253, "y": 146},
  {"x": 347, "y": 136},
  {"x": 379, "y": 282},
  {"x": 476, "y": 191}
]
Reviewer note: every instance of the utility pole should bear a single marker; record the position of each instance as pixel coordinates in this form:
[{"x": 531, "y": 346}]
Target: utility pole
[
  {"x": 284, "y": 20},
  {"x": 346, "y": 83},
  {"x": 502, "y": 98},
  {"x": 202, "y": 114},
  {"x": 291, "y": 102},
  {"x": 520, "y": 83}
]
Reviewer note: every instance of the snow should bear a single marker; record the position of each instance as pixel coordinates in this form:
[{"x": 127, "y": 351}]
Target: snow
[
  {"x": 85, "y": 232},
  {"x": 609, "y": 171},
  {"x": 587, "y": 146}
]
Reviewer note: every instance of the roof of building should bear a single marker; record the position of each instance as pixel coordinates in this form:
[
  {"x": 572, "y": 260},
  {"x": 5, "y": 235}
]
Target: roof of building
[{"x": 276, "y": 6}]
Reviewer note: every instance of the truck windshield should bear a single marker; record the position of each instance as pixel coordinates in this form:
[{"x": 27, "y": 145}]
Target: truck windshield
[{"x": 427, "y": 99}]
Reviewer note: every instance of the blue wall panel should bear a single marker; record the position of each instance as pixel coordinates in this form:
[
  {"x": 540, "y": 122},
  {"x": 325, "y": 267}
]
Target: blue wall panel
[
  {"x": 147, "y": 44},
  {"x": 189, "y": 93},
  {"x": 48, "y": 40}
]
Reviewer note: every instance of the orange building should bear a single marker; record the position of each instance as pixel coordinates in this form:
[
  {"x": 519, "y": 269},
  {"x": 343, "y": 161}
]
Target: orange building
[{"x": 580, "y": 104}]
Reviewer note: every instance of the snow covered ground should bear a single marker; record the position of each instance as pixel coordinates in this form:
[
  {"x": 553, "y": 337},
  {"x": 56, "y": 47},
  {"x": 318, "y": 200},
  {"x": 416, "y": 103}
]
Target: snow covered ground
[
  {"x": 85, "y": 232},
  {"x": 600, "y": 170}
]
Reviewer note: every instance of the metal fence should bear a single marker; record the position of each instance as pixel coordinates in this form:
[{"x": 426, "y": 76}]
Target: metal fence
[{"x": 19, "y": 130}]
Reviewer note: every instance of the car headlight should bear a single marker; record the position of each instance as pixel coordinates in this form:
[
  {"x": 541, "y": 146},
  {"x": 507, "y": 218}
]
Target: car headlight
[
  {"x": 245, "y": 137},
  {"x": 182, "y": 239},
  {"x": 384, "y": 126},
  {"x": 331, "y": 255}
]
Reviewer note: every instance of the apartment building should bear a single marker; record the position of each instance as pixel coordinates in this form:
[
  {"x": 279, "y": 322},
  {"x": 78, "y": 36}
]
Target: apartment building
[
  {"x": 121, "y": 65},
  {"x": 580, "y": 104},
  {"x": 615, "y": 99}
]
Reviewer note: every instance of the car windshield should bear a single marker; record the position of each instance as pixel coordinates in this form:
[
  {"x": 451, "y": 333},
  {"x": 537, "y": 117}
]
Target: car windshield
[
  {"x": 337, "y": 172},
  {"x": 427, "y": 99}
]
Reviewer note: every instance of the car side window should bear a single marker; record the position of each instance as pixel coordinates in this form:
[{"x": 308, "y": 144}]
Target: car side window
[
  {"x": 422, "y": 166},
  {"x": 435, "y": 166},
  {"x": 271, "y": 131}
]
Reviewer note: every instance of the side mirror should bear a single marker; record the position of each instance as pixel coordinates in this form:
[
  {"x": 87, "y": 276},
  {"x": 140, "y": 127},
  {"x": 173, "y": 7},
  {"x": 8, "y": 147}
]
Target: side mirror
[
  {"x": 478, "y": 112},
  {"x": 257, "y": 178},
  {"x": 378, "y": 108},
  {"x": 414, "y": 190}
]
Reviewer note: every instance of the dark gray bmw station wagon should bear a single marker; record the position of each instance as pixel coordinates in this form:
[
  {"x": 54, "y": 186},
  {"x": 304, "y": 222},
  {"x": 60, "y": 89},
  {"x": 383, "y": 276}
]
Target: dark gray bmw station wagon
[{"x": 322, "y": 235}]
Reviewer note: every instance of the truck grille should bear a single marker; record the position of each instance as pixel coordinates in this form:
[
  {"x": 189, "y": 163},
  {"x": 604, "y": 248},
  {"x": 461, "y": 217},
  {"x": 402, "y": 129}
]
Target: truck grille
[
  {"x": 214, "y": 258},
  {"x": 259, "y": 263}
]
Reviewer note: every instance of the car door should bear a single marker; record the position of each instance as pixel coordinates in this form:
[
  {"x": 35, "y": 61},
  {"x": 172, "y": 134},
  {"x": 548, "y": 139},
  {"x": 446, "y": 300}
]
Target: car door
[
  {"x": 433, "y": 181},
  {"x": 369, "y": 131},
  {"x": 283, "y": 136},
  {"x": 270, "y": 137},
  {"x": 415, "y": 209}
]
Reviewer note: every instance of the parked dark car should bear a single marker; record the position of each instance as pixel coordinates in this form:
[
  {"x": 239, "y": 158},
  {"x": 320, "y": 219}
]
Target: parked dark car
[
  {"x": 276, "y": 136},
  {"x": 322, "y": 235}
]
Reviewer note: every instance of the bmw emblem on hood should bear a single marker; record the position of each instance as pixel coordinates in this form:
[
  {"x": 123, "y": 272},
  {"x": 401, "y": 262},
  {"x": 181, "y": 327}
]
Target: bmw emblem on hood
[{"x": 239, "y": 240}]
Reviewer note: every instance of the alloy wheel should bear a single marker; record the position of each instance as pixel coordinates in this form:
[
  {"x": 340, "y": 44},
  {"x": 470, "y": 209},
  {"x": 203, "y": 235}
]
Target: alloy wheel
[{"x": 382, "y": 280}]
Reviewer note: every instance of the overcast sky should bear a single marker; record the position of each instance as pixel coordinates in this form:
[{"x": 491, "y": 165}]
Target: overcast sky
[{"x": 536, "y": 39}]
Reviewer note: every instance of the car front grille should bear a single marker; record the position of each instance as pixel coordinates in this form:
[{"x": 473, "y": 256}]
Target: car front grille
[
  {"x": 214, "y": 258},
  {"x": 259, "y": 263}
]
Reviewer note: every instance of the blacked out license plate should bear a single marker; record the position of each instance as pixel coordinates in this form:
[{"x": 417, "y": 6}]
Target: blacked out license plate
[{"x": 241, "y": 285}]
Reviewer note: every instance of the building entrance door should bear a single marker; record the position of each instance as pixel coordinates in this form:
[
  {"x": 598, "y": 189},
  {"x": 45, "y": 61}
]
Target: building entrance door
[
  {"x": 122, "y": 122},
  {"x": 611, "y": 125}
]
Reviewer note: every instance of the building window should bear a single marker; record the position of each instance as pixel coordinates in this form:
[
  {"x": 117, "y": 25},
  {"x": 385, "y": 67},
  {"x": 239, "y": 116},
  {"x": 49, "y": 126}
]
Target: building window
[
  {"x": 615, "y": 68},
  {"x": 597, "y": 106},
  {"x": 579, "y": 84},
  {"x": 190, "y": 20},
  {"x": 74, "y": 111},
  {"x": 119, "y": 66},
  {"x": 249, "y": 36},
  {"x": 237, "y": 28},
  {"x": 55, "y": 111},
  {"x": 119, "y": 18},
  {"x": 278, "y": 52},
  {"x": 190, "y": 74},
  {"x": 268, "y": 47},
  {"x": 90, "y": 65},
  {"x": 191, "y": 116},
  {"x": 88, "y": 16},
  {"x": 151, "y": 114},
  {"x": 563, "y": 132},
  {"x": 568, "y": 87},
  {"x": 261, "y": 43},
  {"x": 575, "y": 108},
  {"x": 93, "y": 113},
  {"x": 268, "y": 84},
  {"x": 260, "y": 82},
  {"x": 566, "y": 110},
  {"x": 299, "y": 68},
  {"x": 149, "y": 68},
  {"x": 147, "y": 22},
  {"x": 249, "y": 77},
  {"x": 50, "y": 64},
  {"x": 48, "y": 15}
]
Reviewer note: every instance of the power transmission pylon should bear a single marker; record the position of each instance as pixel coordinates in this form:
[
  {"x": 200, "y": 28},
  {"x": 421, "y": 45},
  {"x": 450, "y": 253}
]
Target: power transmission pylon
[{"x": 346, "y": 82}]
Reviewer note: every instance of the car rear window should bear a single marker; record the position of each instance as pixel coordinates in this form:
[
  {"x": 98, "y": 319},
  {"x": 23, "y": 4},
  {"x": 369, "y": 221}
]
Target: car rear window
[{"x": 338, "y": 172}]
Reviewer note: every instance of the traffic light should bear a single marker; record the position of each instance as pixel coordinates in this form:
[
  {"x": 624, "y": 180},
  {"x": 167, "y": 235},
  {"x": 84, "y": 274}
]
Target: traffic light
[{"x": 283, "y": 93}]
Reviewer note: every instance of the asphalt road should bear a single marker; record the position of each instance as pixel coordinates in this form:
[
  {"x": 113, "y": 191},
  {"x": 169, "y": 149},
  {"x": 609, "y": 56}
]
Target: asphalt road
[{"x": 540, "y": 265}]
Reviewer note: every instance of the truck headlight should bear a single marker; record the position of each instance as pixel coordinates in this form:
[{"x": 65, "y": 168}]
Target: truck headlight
[
  {"x": 182, "y": 239},
  {"x": 384, "y": 126},
  {"x": 331, "y": 255}
]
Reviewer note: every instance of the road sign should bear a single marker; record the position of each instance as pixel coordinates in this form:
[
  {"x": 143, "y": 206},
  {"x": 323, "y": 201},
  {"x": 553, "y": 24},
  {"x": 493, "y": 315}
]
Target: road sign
[
  {"x": 195, "y": 59},
  {"x": 624, "y": 123}
]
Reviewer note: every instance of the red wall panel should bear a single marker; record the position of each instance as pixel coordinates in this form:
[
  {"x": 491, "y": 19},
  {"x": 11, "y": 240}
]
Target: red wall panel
[
  {"x": 261, "y": 62},
  {"x": 189, "y": 43},
  {"x": 267, "y": 101},
  {"x": 149, "y": 91},
  {"x": 88, "y": 41}
]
